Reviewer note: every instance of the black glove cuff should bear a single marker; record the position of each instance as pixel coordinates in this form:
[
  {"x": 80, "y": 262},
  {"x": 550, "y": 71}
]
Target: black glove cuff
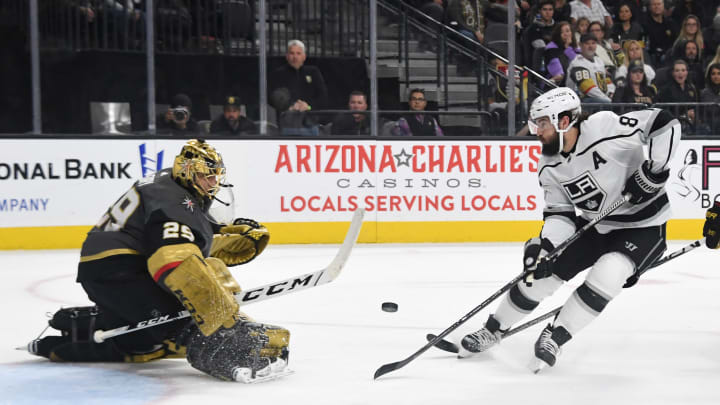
[
  {"x": 246, "y": 221},
  {"x": 655, "y": 179}
]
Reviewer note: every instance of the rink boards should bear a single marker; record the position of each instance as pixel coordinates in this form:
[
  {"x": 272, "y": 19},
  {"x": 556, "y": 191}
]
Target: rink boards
[{"x": 53, "y": 190}]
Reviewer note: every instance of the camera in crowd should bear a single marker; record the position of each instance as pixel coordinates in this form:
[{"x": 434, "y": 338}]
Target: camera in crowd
[{"x": 180, "y": 113}]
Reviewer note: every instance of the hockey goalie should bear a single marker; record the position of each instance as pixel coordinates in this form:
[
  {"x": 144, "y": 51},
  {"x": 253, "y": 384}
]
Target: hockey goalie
[{"x": 158, "y": 250}]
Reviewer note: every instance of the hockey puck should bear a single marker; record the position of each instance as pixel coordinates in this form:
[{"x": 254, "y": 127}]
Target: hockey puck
[{"x": 389, "y": 307}]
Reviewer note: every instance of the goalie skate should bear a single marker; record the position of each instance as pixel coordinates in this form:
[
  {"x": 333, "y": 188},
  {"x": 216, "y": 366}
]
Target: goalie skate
[{"x": 273, "y": 371}]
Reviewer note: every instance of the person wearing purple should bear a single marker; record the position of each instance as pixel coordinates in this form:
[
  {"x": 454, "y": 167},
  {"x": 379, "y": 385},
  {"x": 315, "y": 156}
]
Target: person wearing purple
[{"x": 560, "y": 52}]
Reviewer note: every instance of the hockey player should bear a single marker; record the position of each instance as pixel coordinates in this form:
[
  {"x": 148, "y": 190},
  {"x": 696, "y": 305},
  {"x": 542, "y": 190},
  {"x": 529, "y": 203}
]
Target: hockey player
[
  {"x": 587, "y": 76},
  {"x": 587, "y": 164},
  {"x": 158, "y": 251}
]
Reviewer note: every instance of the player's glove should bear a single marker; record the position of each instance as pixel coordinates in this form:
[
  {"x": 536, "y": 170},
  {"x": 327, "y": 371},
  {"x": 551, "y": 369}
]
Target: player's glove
[
  {"x": 534, "y": 261},
  {"x": 711, "y": 229},
  {"x": 644, "y": 184},
  {"x": 240, "y": 242}
]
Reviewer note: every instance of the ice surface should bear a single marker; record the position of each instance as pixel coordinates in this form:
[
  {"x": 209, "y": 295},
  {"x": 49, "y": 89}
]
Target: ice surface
[{"x": 657, "y": 343}]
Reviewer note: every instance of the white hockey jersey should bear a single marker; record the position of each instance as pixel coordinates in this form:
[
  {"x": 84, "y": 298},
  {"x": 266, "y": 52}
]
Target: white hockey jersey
[
  {"x": 588, "y": 78},
  {"x": 609, "y": 149}
]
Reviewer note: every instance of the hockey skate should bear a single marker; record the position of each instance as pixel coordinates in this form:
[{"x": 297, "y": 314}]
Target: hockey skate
[
  {"x": 272, "y": 371},
  {"x": 481, "y": 340},
  {"x": 548, "y": 347}
]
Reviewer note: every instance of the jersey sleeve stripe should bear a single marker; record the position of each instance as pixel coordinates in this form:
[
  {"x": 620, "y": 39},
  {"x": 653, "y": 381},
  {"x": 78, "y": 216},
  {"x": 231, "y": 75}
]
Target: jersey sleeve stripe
[{"x": 108, "y": 253}]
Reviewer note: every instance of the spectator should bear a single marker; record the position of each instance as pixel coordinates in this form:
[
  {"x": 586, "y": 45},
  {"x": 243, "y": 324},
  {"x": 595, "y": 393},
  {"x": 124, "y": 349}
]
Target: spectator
[
  {"x": 560, "y": 52},
  {"x": 632, "y": 51},
  {"x": 661, "y": 32},
  {"x": 178, "y": 120},
  {"x": 586, "y": 74},
  {"x": 711, "y": 37},
  {"x": 627, "y": 28},
  {"x": 469, "y": 17},
  {"x": 594, "y": 10},
  {"x": 293, "y": 118},
  {"x": 714, "y": 60},
  {"x": 711, "y": 94},
  {"x": 680, "y": 90},
  {"x": 638, "y": 89},
  {"x": 417, "y": 124},
  {"x": 562, "y": 11},
  {"x": 688, "y": 51},
  {"x": 691, "y": 31},
  {"x": 353, "y": 124},
  {"x": 305, "y": 83},
  {"x": 581, "y": 27},
  {"x": 539, "y": 34},
  {"x": 608, "y": 52},
  {"x": 232, "y": 122}
]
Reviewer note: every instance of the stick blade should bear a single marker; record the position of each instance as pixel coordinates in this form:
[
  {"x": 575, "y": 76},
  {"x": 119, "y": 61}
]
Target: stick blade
[
  {"x": 387, "y": 368},
  {"x": 443, "y": 344}
]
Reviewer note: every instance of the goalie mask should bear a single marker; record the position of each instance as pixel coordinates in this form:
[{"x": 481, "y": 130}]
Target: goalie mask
[
  {"x": 552, "y": 105},
  {"x": 199, "y": 167}
]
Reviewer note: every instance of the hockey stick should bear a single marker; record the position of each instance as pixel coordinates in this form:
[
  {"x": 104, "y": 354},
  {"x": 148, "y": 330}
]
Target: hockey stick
[
  {"x": 452, "y": 347},
  {"x": 386, "y": 368},
  {"x": 262, "y": 293}
]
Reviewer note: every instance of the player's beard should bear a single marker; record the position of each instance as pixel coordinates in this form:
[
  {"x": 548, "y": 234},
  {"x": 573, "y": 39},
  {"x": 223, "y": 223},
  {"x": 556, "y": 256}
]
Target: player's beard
[{"x": 553, "y": 147}]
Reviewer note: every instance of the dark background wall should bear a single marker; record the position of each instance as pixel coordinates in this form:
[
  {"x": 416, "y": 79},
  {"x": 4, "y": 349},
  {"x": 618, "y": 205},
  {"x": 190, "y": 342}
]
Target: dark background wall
[{"x": 70, "y": 80}]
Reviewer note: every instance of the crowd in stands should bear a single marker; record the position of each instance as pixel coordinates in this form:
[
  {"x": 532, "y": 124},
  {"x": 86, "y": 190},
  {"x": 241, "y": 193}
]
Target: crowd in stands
[
  {"x": 609, "y": 51},
  {"x": 295, "y": 90},
  {"x": 620, "y": 51}
]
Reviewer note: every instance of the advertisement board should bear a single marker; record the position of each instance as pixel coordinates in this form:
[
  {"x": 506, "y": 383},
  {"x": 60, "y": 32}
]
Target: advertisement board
[{"x": 53, "y": 190}]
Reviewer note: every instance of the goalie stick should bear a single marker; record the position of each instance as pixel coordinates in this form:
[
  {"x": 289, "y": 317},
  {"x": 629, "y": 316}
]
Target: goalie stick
[
  {"x": 262, "y": 293},
  {"x": 387, "y": 368},
  {"x": 451, "y": 347}
]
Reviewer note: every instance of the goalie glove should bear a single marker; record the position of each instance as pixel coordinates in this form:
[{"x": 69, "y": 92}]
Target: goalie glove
[{"x": 240, "y": 242}]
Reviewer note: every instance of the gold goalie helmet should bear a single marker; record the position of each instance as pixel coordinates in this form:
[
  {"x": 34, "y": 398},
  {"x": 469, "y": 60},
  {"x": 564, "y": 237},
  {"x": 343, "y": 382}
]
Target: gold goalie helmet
[{"x": 200, "y": 167}]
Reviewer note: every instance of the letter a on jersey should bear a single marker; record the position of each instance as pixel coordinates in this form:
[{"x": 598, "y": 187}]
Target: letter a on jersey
[{"x": 598, "y": 160}]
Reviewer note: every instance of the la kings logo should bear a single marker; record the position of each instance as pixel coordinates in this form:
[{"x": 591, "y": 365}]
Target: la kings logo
[{"x": 585, "y": 192}]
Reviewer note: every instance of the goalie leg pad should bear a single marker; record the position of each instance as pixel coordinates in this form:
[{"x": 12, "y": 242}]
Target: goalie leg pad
[
  {"x": 232, "y": 351},
  {"x": 278, "y": 342},
  {"x": 77, "y": 322},
  {"x": 223, "y": 275},
  {"x": 210, "y": 303}
]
